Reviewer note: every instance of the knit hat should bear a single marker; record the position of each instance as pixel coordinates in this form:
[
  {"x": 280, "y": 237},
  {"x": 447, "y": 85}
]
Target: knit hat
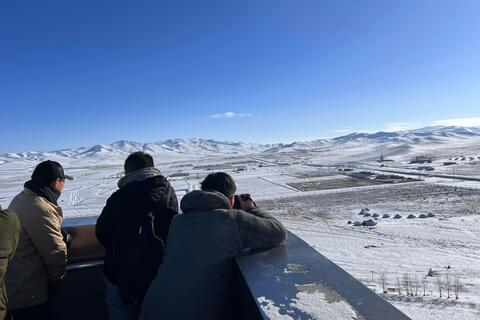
[{"x": 48, "y": 171}]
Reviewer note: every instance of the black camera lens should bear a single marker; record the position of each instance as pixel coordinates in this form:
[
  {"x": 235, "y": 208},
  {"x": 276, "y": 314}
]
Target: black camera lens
[{"x": 236, "y": 204}]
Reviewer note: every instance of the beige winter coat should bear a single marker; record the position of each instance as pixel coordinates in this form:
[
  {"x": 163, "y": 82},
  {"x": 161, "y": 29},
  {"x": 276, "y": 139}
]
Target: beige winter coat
[{"x": 41, "y": 256}]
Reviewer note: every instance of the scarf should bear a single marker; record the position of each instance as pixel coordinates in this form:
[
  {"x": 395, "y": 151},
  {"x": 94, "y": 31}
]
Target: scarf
[
  {"x": 139, "y": 175},
  {"x": 43, "y": 190}
]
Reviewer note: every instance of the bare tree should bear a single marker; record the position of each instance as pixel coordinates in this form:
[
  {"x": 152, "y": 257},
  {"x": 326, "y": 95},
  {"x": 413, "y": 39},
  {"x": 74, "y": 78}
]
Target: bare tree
[
  {"x": 406, "y": 281},
  {"x": 448, "y": 284},
  {"x": 399, "y": 286},
  {"x": 424, "y": 284},
  {"x": 383, "y": 281},
  {"x": 415, "y": 284},
  {"x": 458, "y": 286},
  {"x": 439, "y": 283}
]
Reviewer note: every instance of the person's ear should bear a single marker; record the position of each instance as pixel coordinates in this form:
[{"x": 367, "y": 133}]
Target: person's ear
[
  {"x": 232, "y": 200},
  {"x": 55, "y": 183}
]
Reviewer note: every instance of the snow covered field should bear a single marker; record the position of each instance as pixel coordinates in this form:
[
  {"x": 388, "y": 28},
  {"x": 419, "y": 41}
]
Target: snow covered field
[
  {"x": 397, "y": 247},
  {"x": 447, "y": 243}
]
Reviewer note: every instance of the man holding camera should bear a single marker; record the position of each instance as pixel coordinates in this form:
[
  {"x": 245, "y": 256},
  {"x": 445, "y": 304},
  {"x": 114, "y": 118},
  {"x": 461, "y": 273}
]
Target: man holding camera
[{"x": 195, "y": 276}]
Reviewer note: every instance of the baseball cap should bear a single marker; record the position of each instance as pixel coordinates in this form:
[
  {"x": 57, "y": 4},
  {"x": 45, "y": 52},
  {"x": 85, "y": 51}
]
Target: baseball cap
[{"x": 48, "y": 171}]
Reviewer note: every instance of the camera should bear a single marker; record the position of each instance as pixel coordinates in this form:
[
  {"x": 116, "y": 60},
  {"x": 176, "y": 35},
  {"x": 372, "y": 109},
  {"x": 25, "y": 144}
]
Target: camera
[{"x": 236, "y": 204}]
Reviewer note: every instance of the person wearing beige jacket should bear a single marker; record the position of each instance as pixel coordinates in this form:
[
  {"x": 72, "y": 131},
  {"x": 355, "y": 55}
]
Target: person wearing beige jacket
[{"x": 39, "y": 264}]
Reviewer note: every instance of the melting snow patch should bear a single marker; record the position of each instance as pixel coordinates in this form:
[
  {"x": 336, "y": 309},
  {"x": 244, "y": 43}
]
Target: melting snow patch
[
  {"x": 323, "y": 305},
  {"x": 270, "y": 310},
  {"x": 316, "y": 300},
  {"x": 315, "y": 305},
  {"x": 295, "y": 268}
]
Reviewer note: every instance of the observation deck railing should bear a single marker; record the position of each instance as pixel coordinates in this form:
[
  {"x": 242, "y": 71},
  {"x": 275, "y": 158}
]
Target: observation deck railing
[{"x": 292, "y": 279}]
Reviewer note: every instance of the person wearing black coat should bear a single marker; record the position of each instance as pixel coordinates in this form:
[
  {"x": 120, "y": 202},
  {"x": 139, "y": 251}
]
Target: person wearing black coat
[{"x": 143, "y": 190}]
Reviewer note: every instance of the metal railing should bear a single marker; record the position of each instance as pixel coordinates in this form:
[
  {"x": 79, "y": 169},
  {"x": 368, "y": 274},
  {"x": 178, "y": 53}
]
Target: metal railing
[{"x": 289, "y": 280}]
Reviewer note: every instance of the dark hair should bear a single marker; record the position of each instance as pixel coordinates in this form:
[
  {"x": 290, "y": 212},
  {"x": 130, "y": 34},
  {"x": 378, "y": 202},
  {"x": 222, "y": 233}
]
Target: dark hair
[
  {"x": 221, "y": 182},
  {"x": 138, "y": 160}
]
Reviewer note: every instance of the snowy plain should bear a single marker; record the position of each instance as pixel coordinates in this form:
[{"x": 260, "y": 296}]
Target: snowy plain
[{"x": 293, "y": 182}]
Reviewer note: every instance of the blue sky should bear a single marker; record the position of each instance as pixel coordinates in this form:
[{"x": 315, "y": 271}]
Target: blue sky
[{"x": 80, "y": 73}]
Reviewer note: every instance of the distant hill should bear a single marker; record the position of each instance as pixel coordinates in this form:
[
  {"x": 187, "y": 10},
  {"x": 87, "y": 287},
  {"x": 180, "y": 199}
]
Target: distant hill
[
  {"x": 194, "y": 147},
  {"x": 395, "y": 141},
  {"x": 423, "y": 135}
]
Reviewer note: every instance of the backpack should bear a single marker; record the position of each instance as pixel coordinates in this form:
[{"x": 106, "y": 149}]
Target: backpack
[{"x": 140, "y": 259}]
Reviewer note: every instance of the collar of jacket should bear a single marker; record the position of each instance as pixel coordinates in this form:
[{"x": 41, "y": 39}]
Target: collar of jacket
[
  {"x": 138, "y": 175},
  {"x": 204, "y": 200},
  {"x": 58, "y": 209},
  {"x": 43, "y": 190}
]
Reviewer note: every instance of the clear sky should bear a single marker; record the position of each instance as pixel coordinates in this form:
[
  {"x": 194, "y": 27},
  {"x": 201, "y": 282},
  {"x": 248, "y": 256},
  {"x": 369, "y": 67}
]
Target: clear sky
[{"x": 79, "y": 73}]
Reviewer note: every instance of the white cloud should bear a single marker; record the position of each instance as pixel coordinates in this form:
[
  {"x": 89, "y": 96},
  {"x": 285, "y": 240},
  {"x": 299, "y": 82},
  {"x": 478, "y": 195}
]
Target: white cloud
[
  {"x": 468, "y": 122},
  {"x": 342, "y": 130},
  {"x": 396, "y": 126},
  {"x": 230, "y": 115}
]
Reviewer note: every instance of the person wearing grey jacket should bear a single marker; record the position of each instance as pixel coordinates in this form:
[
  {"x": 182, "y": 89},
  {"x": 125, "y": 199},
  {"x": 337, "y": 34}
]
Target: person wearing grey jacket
[{"x": 194, "y": 278}]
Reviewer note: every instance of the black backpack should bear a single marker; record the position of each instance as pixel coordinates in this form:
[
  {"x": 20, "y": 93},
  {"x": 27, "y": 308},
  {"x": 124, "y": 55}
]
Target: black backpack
[{"x": 140, "y": 259}]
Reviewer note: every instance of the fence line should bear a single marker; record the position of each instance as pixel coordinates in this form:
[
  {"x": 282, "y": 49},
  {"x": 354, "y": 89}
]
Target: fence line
[{"x": 364, "y": 188}]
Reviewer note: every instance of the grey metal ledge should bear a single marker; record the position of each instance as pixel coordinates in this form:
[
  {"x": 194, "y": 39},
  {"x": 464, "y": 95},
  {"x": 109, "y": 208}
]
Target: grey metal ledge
[
  {"x": 295, "y": 280},
  {"x": 289, "y": 281}
]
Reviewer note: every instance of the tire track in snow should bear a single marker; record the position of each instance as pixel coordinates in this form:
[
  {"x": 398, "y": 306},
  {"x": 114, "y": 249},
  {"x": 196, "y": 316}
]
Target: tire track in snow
[{"x": 75, "y": 197}]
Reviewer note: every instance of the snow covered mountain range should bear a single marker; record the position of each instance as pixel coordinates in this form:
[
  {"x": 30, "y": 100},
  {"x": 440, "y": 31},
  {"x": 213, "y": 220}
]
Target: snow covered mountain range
[{"x": 433, "y": 135}]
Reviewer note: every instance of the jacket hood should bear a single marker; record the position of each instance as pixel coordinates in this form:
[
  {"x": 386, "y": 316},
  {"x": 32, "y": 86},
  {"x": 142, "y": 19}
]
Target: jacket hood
[
  {"x": 204, "y": 200},
  {"x": 139, "y": 175},
  {"x": 149, "y": 193}
]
